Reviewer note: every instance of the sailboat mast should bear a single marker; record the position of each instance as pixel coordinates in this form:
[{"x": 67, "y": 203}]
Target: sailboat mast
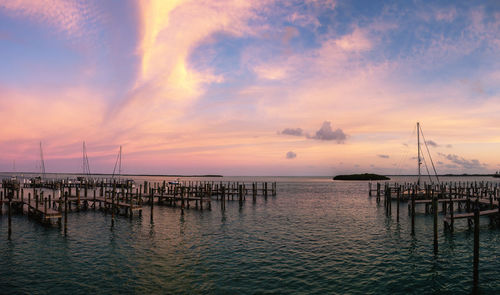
[
  {"x": 42, "y": 166},
  {"x": 120, "y": 164},
  {"x": 83, "y": 159},
  {"x": 418, "y": 150}
]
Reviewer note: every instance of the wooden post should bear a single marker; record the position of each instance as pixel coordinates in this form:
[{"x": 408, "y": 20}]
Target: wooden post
[
  {"x": 240, "y": 194},
  {"x": 397, "y": 205},
  {"x": 37, "y": 198},
  {"x": 140, "y": 200},
  {"x": 451, "y": 214},
  {"x": 498, "y": 215},
  {"x": 435, "y": 212},
  {"x": 151, "y": 202},
  {"x": 77, "y": 199},
  {"x": 389, "y": 198},
  {"x": 476, "y": 251},
  {"x": 59, "y": 209},
  {"x": 254, "y": 191},
  {"x": 131, "y": 214},
  {"x": 223, "y": 198},
  {"x": 378, "y": 192},
  {"x": 10, "y": 216},
  {"x": 113, "y": 195},
  {"x": 65, "y": 213},
  {"x": 45, "y": 210},
  {"x": 413, "y": 214}
]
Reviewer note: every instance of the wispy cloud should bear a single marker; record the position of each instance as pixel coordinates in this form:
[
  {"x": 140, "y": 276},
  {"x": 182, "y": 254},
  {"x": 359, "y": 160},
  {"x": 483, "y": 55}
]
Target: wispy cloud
[
  {"x": 293, "y": 131},
  {"x": 462, "y": 162},
  {"x": 431, "y": 143},
  {"x": 71, "y": 17}
]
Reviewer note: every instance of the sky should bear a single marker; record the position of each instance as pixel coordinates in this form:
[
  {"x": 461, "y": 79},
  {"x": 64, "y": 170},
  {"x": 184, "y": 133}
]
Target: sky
[{"x": 235, "y": 87}]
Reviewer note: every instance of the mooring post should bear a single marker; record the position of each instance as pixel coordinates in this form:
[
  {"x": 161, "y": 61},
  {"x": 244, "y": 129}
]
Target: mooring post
[
  {"x": 397, "y": 204},
  {"x": 45, "y": 209},
  {"x": 94, "y": 197},
  {"x": 10, "y": 216},
  {"x": 498, "y": 215},
  {"x": 36, "y": 202},
  {"x": 77, "y": 198},
  {"x": 59, "y": 209},
  {"x": 385, "y": 199},
  {"x": 240, "y": 194},
  {"x": 140, "y": 201},
  {"x": 151, "y": 202},
  {"x": 378, "y": 192},
  {"x": 65, "y": 213},
  {"x": 131, "y": 214},
  {"x": 183, "y": 191},
  {"x": 113, "y": 195},
  {"x": 413, "y": 213},
  {"x": 223, "y": 197},
  {"x": 468, "y": 201},
  {"x": 254, "y": 192},
  {"x": 435, "y": 212},
  {"x": 451, "y": 214},
  {"x": 389, "y": 196},
  {"x": 476, "y": 250}
]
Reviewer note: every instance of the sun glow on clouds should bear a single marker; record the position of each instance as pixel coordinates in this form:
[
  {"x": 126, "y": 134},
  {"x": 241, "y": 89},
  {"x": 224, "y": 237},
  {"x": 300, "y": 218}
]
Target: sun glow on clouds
[{"x": 214, "y": 80}]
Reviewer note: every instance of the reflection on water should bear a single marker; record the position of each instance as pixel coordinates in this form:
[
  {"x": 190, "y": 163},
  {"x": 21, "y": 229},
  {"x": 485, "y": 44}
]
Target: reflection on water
[{"x": 316, "y": 237}]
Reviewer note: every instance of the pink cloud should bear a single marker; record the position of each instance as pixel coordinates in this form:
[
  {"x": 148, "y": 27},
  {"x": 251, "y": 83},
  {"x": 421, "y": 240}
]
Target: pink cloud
[
  {"x": 68, "y": 16},
  {"x": 356, "y": 41}
]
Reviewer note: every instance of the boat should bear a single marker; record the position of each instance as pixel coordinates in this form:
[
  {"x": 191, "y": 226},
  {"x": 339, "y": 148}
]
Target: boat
[
  {"x": 129, "y": 183},
  {"x": 175, "y": 182},
  {"x": 497, "y": 174},
  {"x": 420, "y": 189}
]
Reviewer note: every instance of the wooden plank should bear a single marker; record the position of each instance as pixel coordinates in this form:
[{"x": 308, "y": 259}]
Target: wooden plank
[{"x": 470, "y": 215}]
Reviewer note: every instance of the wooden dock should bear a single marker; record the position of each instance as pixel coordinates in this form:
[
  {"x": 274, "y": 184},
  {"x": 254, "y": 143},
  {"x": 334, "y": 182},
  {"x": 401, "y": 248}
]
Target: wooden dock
[
  {"x": 475, "y": 198},
  {"x": 51, "y": 201},
  {"x": 450, "y": 199}
]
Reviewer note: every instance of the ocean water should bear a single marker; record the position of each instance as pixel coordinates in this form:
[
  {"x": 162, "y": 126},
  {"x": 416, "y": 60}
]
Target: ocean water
[{"x": 317, "y": 236}]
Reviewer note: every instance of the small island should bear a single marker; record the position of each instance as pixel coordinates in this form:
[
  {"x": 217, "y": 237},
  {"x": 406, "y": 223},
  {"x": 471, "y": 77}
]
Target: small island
[{"x": 365, "y": 176}]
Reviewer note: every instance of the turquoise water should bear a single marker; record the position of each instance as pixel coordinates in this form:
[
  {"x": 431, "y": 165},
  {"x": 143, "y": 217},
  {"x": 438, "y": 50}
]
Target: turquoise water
[{"x": 315, "y": 237}]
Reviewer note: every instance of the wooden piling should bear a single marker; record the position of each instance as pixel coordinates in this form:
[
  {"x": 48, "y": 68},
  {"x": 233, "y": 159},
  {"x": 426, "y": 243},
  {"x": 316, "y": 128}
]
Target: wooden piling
[
  {"x": 59, "y": 209},
  {"x": 10, "y": 216},
  {"x": 77, "y": 199},
  {"x": 65, "y": 213},
  {"x": 397, "y": 204},
  {"x": 45, "y": 209},
  {"x": 435, "y": 212},
  {"x": 451, "y": 214},
  {"x": 151, "y": 202},
  {"x": 113, "y": 195},
  {"x": 476, "y": 251},
  {"x": 223, "y": 198},
  {"x": 413, "y": 214}
]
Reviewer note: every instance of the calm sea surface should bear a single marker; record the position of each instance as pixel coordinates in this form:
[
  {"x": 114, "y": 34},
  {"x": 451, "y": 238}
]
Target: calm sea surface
[{"x": 316, "y": 236}]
